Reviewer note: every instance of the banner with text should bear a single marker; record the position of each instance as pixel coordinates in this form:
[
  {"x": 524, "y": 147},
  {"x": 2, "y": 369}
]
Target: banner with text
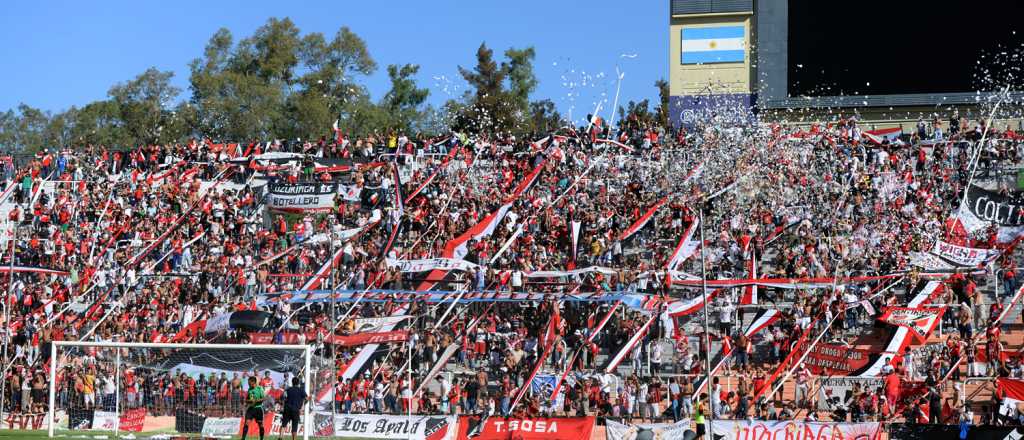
[
  {"x": 964, "y": 256},
  {"x": 919, "y": 320},
  {"x": 378, "y": 324},
  {"x": 643, "y": 431},
  {"x": 834, "y": 359},
  {"x": 796, "y": 430},
  {"x": 221, "y": 426},
  {"x": 501, "y": 428},
  {"x": 133, "y": 419},
  {"x": 382, "y": 426},
  {"x": 838, "y": 392},
  {"x": 301, "y": 197},
  {"x": 983, "y": 207},
  {"x": 427, "y": 264}
]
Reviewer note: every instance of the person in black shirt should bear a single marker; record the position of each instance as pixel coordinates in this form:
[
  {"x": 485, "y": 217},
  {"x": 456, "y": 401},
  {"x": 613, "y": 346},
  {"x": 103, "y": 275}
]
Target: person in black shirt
[{"x": 294, "y": 400}]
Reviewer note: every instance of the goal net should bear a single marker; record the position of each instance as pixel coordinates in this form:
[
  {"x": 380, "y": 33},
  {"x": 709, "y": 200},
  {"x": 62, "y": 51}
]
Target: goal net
[{"x": 138, "y": 390}]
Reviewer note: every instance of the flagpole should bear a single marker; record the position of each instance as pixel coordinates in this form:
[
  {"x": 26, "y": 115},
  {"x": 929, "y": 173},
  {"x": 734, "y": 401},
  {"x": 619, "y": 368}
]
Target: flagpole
[
  {"x": 408, "y": 371},
  {"x": 707, "y": 335},
  {"x": 7, "y": 319},
  {"x": 334, "y": 328}
]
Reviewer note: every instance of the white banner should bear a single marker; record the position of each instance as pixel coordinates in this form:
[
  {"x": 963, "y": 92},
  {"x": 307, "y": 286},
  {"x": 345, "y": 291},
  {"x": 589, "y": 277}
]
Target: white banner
[
  {"x": 29, "y": 421},
  {"x": 346, "y": 234},
  {"x": 218, "y": 323},
  {"x": 780, "y": 430},
  {"x": 104, "y": 420},
  {"x": 301, "y": 197},
  {"x": 928, "y": 261},
  {"x": 642, "y": 431},
  {"x": 378, "y": 324},
  {"x": 221, "y": 426},
  {"x": 275, "y": 427},
  {"x": 837, "y": 392},
  {"x": 349, "y": 193},
  {"x": 964, "y": 256},
  {"x": 428, "y": 264},
  {"x": 567, "y": 273},
  {"x": 377, "y": 426}
]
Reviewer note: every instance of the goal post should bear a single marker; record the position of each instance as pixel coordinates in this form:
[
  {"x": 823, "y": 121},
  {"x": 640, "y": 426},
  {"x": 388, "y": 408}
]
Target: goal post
[{"x": 144, "y": 389}]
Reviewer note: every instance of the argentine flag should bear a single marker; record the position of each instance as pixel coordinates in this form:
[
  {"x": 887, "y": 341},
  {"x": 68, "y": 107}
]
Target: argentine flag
[{"x": 719, "y": 44}]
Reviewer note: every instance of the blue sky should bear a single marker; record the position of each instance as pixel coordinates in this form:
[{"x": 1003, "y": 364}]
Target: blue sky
[{"x": 62, "y": 53}]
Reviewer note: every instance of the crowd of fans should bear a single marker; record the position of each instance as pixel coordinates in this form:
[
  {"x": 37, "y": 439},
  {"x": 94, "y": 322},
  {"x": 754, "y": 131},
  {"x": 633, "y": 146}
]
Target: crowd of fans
[{"x": 158, "y": 237}]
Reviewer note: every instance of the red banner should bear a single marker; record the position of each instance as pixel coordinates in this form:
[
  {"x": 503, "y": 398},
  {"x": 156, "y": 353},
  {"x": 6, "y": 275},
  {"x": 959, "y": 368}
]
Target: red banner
[
  {"x": 133, "y": 419},
  {"x": 1011, "y": 388},
  {"x": 919, "y": 320},
  {"x": 369, "y": 338},
  {"x": 833, "y": 359},
  {"x": 343, "y": 340},
  {"x": 23, "y": 421},
  {"x": 501, "y": 428}
]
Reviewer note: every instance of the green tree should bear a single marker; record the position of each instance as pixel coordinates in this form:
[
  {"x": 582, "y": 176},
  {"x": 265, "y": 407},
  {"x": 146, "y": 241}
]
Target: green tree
[
  {"x": 25, "y": 129},
  {"x": 8, "y": 130},
  {"x": 244, "y": 91},
  {"x": 99, "y": 123},
  {"x": 328, "y": 90},
  {"x": 522, "y": 81},
  {"x": 544, "y": 116},
  {"x": 144, "y": 105},
  {"x": 488, "y": 108},
  {"x": 403, "y": 101},
  {"x": 636, "y": 114},
  {"x": 663, "y": 105},
  {"x": 60, "y": 128}
]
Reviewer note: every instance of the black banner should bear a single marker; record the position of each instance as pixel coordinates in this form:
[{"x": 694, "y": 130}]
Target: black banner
[
  {"x": 79, "y": 418},
  {"x": 301, "y": 197},
  {"x": 188, "y": 421},
  {"x": 906, "y": 431},
  {"x": 253, "y": 320},
  {"x": 989, "y": 206}
]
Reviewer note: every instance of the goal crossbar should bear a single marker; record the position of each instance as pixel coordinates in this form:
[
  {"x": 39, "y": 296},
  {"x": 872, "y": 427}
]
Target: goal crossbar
[{"x": 56, "y": 345}]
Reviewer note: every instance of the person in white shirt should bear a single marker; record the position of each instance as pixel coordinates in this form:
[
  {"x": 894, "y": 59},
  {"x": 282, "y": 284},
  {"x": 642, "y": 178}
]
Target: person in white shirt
[
  {"x": 378, "y": 396},
  {"x": 656, "y": 357},
  {"x": 108, "y": 391},
  {"x": 641, "y": 398},
  {"x": 803, "y": 379},
  {"x": 635, "y": 357},
  {"x": 909, "y": 362},
  {"x": 716, "y": 398},
  {"x": 725, "y": 317}
]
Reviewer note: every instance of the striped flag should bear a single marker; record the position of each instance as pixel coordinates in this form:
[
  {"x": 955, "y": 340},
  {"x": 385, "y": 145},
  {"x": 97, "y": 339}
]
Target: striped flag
[
  {"x": 716, "y": 44},
  {"x": 885, "y": 134},
  {"x": 630, "y": 345},
  {"x": 590, "y": 339},
  {"x": 685, "y": 249},
  {"x": 643, "y": 220}
]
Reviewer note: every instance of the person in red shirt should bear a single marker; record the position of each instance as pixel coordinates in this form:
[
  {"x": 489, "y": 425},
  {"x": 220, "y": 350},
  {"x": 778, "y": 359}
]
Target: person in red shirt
[
  {"x": 455, "y": 397},
  {"x": 892, "y": 387},
  {"x": 341, "y": 398},
  {"x": 267, "y": 382}
]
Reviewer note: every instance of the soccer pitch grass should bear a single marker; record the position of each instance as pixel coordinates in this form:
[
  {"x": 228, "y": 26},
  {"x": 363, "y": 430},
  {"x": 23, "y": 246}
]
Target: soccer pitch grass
[{"x": 22, "y": 434}]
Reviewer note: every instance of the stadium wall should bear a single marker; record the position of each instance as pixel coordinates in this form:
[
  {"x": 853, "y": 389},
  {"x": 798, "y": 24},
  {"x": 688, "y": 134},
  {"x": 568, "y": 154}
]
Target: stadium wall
[
  {"x": 697, "y": 84},
  {"x": 760, "y": 81}
]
